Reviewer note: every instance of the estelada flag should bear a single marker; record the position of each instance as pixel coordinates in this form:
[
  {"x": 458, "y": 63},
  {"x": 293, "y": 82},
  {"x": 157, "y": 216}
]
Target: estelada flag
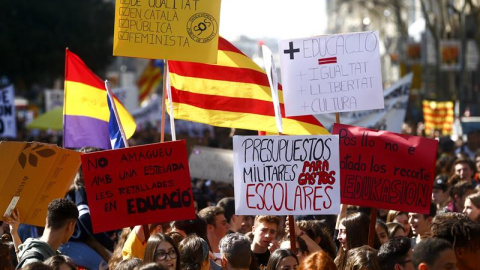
[
  {"x": 234, "y": 93},
  {"x": 85, "y": 109},
  {"x": 150, "y": 80},
  {"x": 438, "y": 115}
]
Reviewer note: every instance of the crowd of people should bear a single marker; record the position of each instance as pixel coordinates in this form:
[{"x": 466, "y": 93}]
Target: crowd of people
[{"x": 448, "y": 237}]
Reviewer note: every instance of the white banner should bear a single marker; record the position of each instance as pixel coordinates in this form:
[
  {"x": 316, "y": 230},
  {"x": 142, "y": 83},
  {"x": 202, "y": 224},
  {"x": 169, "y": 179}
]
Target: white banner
[
  {"x": 390, "y": 118},
  {"x": 8, "y": 122},
  {"x": 211, "y": 163},
  {"x": 53, "y": 99},
  {"x": 331, "y": 73},
  {"x": 286, "y": 175}
]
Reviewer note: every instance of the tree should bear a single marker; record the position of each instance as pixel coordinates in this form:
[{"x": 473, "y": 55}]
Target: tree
[{"x": 34, "y": 36}]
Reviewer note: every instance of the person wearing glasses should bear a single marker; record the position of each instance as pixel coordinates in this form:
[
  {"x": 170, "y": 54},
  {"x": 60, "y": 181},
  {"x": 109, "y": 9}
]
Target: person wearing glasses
[
  {"x": 396, "y": 254},
  {"x": 161, "y": 249}
]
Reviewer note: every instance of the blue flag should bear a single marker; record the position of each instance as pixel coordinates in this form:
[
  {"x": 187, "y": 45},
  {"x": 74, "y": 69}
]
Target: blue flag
[{"x": 116, "y": 140}]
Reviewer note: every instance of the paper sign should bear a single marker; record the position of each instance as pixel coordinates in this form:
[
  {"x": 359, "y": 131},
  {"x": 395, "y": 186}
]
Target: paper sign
[
  {"x": 138, "y": 185},
  {"x": 390, "y": 118},
  {"x": 36, "y": 173},
  {"x": 211, "y": 163},
  {"x": 183, "y": 30},
  {"x": 386, "y": 170},
  {"x": 286, "y": 175},
  {"x": 332, "y": 73},
  {"x": 8, "y": 120}
]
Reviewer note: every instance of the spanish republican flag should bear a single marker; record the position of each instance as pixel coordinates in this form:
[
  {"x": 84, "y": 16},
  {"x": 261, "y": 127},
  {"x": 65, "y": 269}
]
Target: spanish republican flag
[
  {"x": 234, "y": 93},
  {"x": 85, "y": 109},
  {"x": 150, "y": 80}
]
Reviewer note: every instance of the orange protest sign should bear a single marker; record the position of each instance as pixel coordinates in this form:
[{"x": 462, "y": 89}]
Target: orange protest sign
[{"x": 33, "y": 174}]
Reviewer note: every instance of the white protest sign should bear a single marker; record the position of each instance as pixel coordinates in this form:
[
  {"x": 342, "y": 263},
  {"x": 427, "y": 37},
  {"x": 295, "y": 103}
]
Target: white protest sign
[
  {"x": 211, "y": 163},
  {"x": 8, "y": 122},
  {"x": 389, "y": 118},
  {"x": 53, "y": 99},
  {"x": 332, "y": 73},
  {"x": 286, "y": 175}
]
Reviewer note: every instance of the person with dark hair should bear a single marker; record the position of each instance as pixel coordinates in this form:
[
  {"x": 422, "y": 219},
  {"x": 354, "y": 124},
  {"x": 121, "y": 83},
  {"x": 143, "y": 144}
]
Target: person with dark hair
[
  {"x": 395, "y": 229},
  {"x": 472, "y": 207},
  {"x": 152, "y": 266},
  {"x": 458, "y": 193},
  {"x": 420, "y": 223},
  {"x": 161, "y": 249},
  {"x": 236, "y": 253},
  {"x": 440, "y": 194},
  {"x": 434, "y": 253},
  {"x": 217, "y": 228},
  {"x": 382, "y": 231},
  {"x": 61, "y": 262},
  {"x": 465, "y": 169},
  {"x": 128, "y": 264},
  {"x": 464, "y": 236},
  {"x": 264, "y": 232},
  {"x": 318, "y": 231},
  {"x": 282, "y": 259},
  {"x": 196, "y": 226},
  {"x": 362, "y": 258},
  {"x": 396, "y": 254},
  {"x": 194, "y": 253},
  {"x": 402, "y": 218},
  {"x": 235, "y": 221},
  {"x": 62, "y": 215},
  {"x": 6, "y": 257}
]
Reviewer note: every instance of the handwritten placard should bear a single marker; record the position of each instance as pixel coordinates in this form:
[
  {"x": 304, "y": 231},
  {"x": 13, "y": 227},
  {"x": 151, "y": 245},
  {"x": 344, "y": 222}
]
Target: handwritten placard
[
  {"x": 138, "y": 185},
  {"x": 183, "y": 30},
  {"x": 8, "y": 120},
  {"x": 33, "y": 174},
  {"x": 386, "y": 170},
  {"x": 211, "y": 163},
  {"x": 286, "y": 175},
  {"x": 331, "y": 73}
]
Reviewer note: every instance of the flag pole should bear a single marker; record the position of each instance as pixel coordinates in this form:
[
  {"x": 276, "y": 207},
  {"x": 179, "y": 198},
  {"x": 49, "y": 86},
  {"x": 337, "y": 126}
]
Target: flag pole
[
  {"x": 343, "y": 207},
  {"x": 170, "y": 103},
  {"x": 114, "y": 107},
  {"x": 164, "y": 87},
  {"x": 64, "y": 96}
]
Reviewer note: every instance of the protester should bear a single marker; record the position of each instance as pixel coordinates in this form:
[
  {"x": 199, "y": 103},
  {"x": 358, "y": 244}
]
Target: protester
[
  {"x": 135, "y": 244},
  {"x": 282, "y": 259},
  {"x": 458, "y": 193},
  {"x": 194, "y": 254},
  {"x": 117, "y": 253},
  {"x": 128, "y": 264},
  {"x": 472, "y": 207},
  {"x": 434, "y": 253},
  {"x": 420, "y": 223},
  {"x": 161, "y": 249},
  {"x": 440, "y": 193},
  {"x": 362, "y": 258},
  {"x": 196, "y": 226},
  {"x": 62, "y": 215},
  {"x": 217, "y": 228},
  {"x": 382, "y": 231},
  {"x": 464, "y": 236},
  {"x": 402, "y": 218},
  {"x": 264, "y": 232},
  {"x": 301, "y": 248},
  {"x": 395, "y": 229},
  {"x": 247, "y": 223},
  {"x": 396, "y": 254},
  {"x": 318, "y": 231},
  {"x": 236, "y": 253},
  {"x": 61, "y": 262},
  {"x": 465, "y": 169},
  {"x": 235, "y": 221},
  {"x": 319, "y": 260}
]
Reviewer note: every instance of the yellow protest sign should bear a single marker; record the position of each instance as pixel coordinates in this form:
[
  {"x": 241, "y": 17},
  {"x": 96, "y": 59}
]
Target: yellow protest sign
[
  {"x": 33, "y": 174},
  {"x": 182, "y": 30}
]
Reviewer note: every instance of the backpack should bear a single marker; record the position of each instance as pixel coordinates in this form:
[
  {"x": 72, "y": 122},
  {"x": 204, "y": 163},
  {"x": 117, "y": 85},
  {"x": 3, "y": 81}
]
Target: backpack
[{"x": 31, "y": 254}]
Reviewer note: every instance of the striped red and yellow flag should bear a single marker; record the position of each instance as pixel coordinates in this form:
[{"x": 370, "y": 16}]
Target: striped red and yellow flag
[
  {"x": 150, "y": 80},
  {"x": 234, "y": 93},
  {"x": 85, "y": 109},
  {"x": 438, "y": 116}
]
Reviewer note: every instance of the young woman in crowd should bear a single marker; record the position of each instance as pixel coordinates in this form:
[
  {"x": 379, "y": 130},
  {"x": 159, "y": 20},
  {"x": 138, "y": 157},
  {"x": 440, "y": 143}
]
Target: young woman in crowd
[
  {"x": 402, "y": 218},
  {"x": 161, "y": 249},
  {"x": 472, "y": 207},
  {"x": 319, "y": 260},
  {"x": 282, "y": 259},
  {"x": 194, "y": 253},
  {"x": 61, "y": 262},
  {"x": 362, "y": 258},
  {"x": 395, "y": 229},
  {"x": 382, "y": 231}
]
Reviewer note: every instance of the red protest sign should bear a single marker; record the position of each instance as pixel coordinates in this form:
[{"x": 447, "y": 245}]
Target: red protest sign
[
  {"x": 138, "y": 185},
  {"x": 386, "y": 170}
]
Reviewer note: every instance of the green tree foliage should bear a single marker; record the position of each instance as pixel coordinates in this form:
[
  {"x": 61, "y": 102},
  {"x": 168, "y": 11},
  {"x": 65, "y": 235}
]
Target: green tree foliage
[{"x": 34, "y": 35}]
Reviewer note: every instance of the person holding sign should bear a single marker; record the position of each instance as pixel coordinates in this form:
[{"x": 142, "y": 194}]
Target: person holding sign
[{"x": 62, "y": 216}]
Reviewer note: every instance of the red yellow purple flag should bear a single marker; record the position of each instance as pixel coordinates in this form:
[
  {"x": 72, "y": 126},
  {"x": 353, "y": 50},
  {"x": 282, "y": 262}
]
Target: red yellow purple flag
[
  {"x": 234, "y": 93},
  {"x": 85, "y": 109},
  {"x": 150, "y": 80}
]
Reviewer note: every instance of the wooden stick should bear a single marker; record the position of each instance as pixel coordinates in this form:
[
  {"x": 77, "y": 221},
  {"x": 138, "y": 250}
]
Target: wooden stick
[
  {"x": 371, "y": 228},
  {"x": 164, "y": 95},
  {"x": 343, "y": 207},
  {"x": 293, "y": 236}
]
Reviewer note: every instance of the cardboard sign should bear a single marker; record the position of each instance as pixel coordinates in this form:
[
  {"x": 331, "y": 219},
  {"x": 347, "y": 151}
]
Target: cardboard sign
[
  {"x": 138, "y": 185},
  {"x": 286, "y": 175},
  {"x": 211, "y": 163},
  {"x": 8, "y": 120},
  {"x": 386, "y": 170},
  {"x": 390, "y": 118},
  {"x": 34, "y": 174},
  {"x": 184, "y": 30},
  {"x": 332, "y": 73}
]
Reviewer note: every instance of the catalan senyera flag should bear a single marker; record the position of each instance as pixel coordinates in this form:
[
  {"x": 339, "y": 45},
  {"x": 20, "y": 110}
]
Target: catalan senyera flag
[
  {"x": 234, "y": 93},
  {"x": 85, "y": 109},
  {"x": 438, "y": 116},
  {"x": 151, "y": 79}
]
